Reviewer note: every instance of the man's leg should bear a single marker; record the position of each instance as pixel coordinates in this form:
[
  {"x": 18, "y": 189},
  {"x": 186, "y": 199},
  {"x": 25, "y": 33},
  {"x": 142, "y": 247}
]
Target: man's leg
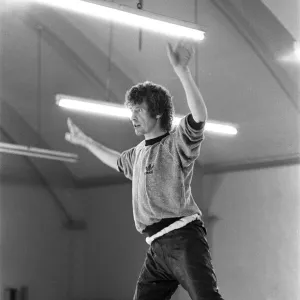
[
  {"x": 189, "y": 259},
  {"x": 155, "y": 281}
]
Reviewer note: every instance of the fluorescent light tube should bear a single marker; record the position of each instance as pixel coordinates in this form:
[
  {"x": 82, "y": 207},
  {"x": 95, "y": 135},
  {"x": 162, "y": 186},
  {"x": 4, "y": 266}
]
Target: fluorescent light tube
[
  {"x": 292, "y": 56},
  {"x": 37, "y": 152},
  {"x": 117, "y": 110},
  {"x": 128, "y": 16},
  {"x": 297, "y": 50},
  {"x": 90, "y": 106}
]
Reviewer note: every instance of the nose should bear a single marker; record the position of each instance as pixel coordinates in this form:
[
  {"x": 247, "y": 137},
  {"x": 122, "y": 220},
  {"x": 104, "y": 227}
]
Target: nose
[{"x": 132, "y": 116}]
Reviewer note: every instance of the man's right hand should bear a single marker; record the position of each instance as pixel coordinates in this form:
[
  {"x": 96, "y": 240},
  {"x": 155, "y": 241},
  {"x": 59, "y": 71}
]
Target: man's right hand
[
  {"x": 106, "y": 155},
  {"x": 75, "y": 135}
]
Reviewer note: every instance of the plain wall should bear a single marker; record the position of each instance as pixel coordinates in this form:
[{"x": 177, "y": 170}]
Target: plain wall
[
  {"x": 115, "y": 250},
  {"x": 35, "y": 250},
  {"x": 256, "y": 240}
]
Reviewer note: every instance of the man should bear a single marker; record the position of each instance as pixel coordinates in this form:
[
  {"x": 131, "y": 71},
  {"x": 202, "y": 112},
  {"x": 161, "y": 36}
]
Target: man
[{"x": 161, "y": 169}]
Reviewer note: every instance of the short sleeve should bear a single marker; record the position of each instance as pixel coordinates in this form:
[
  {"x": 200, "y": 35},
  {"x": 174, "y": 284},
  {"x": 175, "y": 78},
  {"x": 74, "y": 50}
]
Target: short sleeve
[
  {"x": 126, "y": 161},
  {"x": 188, "y": 137}
]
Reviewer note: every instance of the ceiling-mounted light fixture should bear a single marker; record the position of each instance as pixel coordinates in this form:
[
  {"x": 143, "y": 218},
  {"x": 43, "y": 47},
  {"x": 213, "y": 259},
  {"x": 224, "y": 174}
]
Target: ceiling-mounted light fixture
[
  {"x": 297, "y": 50},
  {"x": 37, "y": 152},
  {"x": 292, "y": 56},
  {"x": 116, "y": 110},
  {"x": 129, "y": 16}
]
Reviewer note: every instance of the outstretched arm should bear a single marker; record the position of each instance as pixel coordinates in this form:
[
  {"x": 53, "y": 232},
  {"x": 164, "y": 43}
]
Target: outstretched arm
[
  {"x": 180, "y": 57},
  {"x": 106, "y": 155}
]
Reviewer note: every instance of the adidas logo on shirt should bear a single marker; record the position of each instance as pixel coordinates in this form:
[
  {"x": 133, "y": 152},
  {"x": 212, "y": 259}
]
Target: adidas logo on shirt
[{"x": 149, "y": 169}]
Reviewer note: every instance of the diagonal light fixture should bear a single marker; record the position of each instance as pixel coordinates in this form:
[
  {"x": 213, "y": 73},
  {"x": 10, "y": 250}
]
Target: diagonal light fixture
[
  {"x": 116, "y": 110},
  {"x": 292, "y": 56},
  {"x": 297, "y": 50},
  {"x": 128, "y": 16},
  {"x": 37, "y": 152}
]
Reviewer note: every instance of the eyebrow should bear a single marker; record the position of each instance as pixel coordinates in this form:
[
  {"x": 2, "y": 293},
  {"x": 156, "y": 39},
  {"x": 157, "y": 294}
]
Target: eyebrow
[{"x": 136, "y": 106}]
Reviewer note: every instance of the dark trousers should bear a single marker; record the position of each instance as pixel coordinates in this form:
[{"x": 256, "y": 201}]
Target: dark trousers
[{"x": 179, "y": 257}]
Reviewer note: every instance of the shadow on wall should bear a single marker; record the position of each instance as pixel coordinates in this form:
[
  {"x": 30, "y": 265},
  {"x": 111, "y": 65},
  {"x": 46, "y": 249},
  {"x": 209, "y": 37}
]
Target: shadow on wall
[{"x": 204, "y": 195}]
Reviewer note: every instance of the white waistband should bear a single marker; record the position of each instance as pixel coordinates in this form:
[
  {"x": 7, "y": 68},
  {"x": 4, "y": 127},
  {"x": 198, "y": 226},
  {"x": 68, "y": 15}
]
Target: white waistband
[{"x": 178, "y": 224}]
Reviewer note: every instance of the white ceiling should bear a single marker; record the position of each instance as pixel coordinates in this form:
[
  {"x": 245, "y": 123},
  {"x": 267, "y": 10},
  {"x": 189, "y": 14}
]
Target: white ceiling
[{"x": 287, "y": 12}]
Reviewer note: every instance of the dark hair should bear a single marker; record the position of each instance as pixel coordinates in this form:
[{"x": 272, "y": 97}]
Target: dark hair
[{"x": 157, "y": 98}]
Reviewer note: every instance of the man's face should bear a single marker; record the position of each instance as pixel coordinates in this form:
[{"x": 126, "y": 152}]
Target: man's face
[{"x": 141, "y": 120}]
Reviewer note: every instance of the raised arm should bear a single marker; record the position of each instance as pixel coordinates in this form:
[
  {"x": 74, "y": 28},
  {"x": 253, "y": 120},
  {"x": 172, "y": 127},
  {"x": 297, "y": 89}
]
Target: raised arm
[
  {"x": 180, "y": 57},
  {"x": 106, "y": 155}
]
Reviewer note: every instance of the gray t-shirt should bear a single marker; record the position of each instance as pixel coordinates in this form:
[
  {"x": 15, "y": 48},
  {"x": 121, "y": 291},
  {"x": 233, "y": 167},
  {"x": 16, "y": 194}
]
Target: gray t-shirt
[{"x": 161, "y": 174}]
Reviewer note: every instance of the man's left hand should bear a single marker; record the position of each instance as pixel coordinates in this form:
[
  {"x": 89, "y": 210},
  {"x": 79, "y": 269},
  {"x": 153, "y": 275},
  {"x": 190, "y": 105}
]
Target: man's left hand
[{"x": 180, "y": 56}]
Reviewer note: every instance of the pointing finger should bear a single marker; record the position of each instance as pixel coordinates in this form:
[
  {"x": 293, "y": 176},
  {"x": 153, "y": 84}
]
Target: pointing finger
[
  {"x": 70, "y": 123},
  {"x": 72, "y": 127}
]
